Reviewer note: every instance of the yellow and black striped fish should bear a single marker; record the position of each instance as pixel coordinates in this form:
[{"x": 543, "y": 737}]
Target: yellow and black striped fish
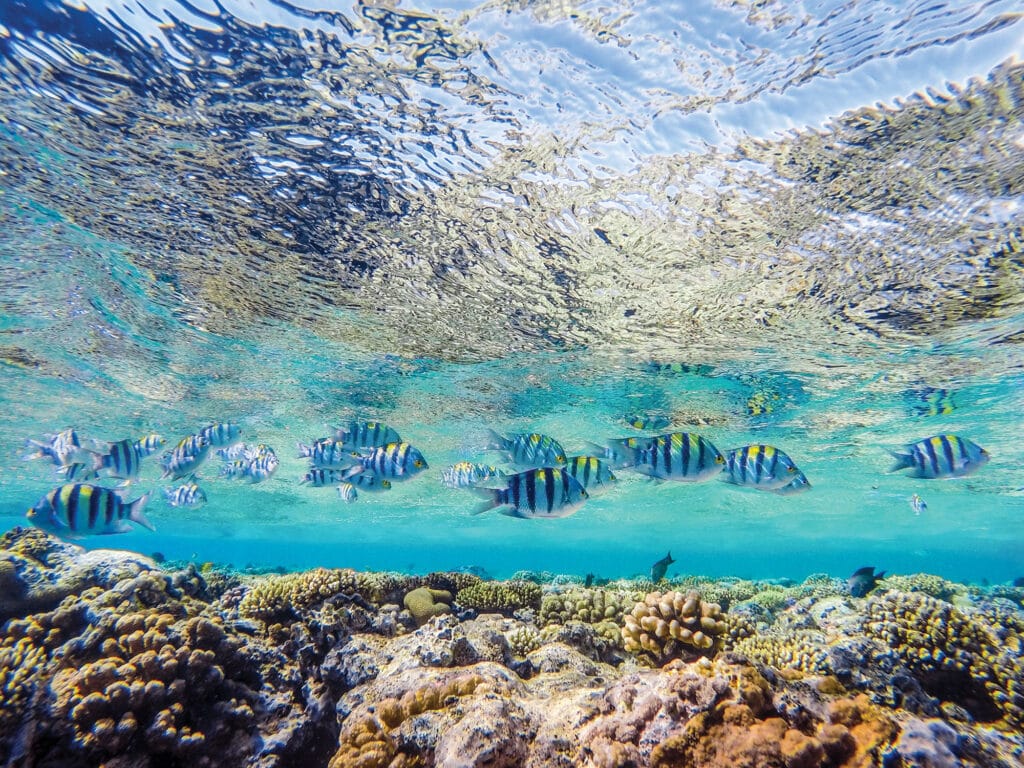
[
  {"x": 932, "y": 402},
  {"x": 940, "y": 456},
  {"x": 366, "y": 434},
  {"x": 395, "y": 461},
  {"x": 759, "y": 466},
  {"x": 683, "y": 456},
  {"x": 545, "y": 492},
  {"x": 591, "y": 472},
  {"x": 528, "y": 449},
  {"x": 78, "y": 509}
]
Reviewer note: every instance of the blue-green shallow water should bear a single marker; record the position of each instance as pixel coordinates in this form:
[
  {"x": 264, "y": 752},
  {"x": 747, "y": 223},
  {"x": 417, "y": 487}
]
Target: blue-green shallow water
[{"x": 456, "y": 218}]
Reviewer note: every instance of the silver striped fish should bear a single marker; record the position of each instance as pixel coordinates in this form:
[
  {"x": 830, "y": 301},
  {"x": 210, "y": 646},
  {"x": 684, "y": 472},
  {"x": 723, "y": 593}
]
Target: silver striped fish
[
  {"x": 221, "y": 433},
  {"x": 681, "y": 456},
  {"x": 547, "y": 492},
  {"x": 366, "y": 434},
  {"x": 527, "y": 449},
  {"x": 395, "y": 461},
  {"x": 591, "y": 472},
  {"x": 759, "y": 466},
  {"x": 941, "y": 456}
]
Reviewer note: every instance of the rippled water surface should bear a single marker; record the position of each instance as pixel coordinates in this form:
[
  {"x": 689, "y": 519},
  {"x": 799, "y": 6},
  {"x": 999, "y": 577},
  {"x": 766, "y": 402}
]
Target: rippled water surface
[{"x": 795, "y": 223}]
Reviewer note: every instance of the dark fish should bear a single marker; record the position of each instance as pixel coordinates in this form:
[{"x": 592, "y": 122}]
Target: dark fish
[
  {"x": 589, "y": 580},
  {"x": 659, "y": 568},
  {"x": 1019, "y": 581},
  {"x": 863, "y": 580}
]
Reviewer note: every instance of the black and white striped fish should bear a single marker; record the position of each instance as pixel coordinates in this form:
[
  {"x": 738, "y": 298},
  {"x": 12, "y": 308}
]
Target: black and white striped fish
[
  {"x": 941, "y": 456},
  {"x": 321, "y": 477},
  {"x": 527, "y": 449},
  {"x": 78, "y": 509},
  {"x": 347, "y": 492},
  {"x": 591, "y": 472},
  {"x": 123, "y": 459},
  {"x": 466, "y": 474},
  {"x": 63, "y": 448},
  {"x": 395, "y": 461},
  {"x": 682, "y": 456},
  {"x": 759, "y": 466},
  {"x": 220, "y": 433},
  {"x": 545, "y": 492},
  {"x": 188, "y": 454},
  {"x": 328, "y": 452},
  {"x": 366, "y": 434},
  {"x": 188, "y": 494}
]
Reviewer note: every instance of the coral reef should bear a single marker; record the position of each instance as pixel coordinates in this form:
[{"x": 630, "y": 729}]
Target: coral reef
[
  {"x": 128, "y": 666},
  {"x": 500, "y": 596},
  {"x": 664, "y": 624}
]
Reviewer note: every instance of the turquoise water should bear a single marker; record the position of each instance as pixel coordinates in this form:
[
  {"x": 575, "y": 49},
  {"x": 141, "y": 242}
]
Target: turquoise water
[{"x": 458, "y": 217}]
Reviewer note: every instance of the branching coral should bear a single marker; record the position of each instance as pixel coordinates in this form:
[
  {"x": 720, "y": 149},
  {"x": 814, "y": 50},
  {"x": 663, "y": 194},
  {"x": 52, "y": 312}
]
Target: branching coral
[
  {"x": 591, "y": 606},
  {"x": 278, "y": 598},
  {"x": 522, "y": 640},
  {"x": 500, "y": 596},
  {"x": 663, "y": 624},
  {"x": 802, "y": 651}
]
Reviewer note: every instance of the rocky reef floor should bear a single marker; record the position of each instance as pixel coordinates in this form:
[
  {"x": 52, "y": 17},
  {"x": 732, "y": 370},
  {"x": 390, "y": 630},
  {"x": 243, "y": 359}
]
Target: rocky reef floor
[{"x": 108, "y": 658}]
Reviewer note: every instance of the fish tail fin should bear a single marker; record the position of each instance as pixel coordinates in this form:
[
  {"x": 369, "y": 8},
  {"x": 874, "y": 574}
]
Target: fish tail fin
[
  {"x": 94, "y": 459},
  {"x": 492, "y": 496},
  {"x": 880, "y": 574},
  {"x": 135, "y": 511},
  {"x": 495, "y": 442},
  {"x": 903, "y": 460},
  {"x": 35, "y": 450},
  {"x": 669, "y": 557},
  {"x": 304, "y": 451},
  {"x": 353, "y": 471}
]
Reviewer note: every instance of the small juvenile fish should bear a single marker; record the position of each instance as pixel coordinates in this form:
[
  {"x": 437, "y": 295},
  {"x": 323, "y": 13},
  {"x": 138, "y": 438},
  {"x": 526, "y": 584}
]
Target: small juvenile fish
[
  {"x": 941, "y": 456},
  {"x": 78, "y": 509},
  {"x": 186, "y": 495},
  {"x": 759, "y": 466},
  {"x": 396, "y": 461},
  {"x": 188, "y": 454},
  {"x": 646, "y": 420},
  {"x": 466, "y": 474},
  {"x": 591, "y": 472},
  {"x": 328, "y": 452},
  {"x": 683, "y": 456},
  {"x": 547, "y": 492},
  {"x": 366, "y": 434},
  {"x": 528, "y": 449},
  {"x": 221, "y": 433},
  {"x": 347, "y": 492},
  {"x": 798, "y": 484},
  {"x": 659, "y": 568},
  {"x": 918, "y": 504}
]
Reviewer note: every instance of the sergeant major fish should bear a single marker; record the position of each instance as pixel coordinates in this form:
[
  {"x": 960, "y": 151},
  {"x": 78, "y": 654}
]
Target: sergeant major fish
[
  {"x": 348, "y": 492},
  {"x": 188, "y": 494},
  {"x": 466, "y": 474},
  {"x": 221, "y": 433},
  {"x": 797, "y": 485},
  {"x": 366, "y": 434},
  {"x": 63, "y": 448},
  {"x": 682, "y": 456},
  {"x": 591, "y": 472},
  {"x": 941, "y": 456},
  {"x": 395, "y": 461},
  {"x": 759, "y": 466},
  {"x": 328, "y": 452},
  {"x": 123, "y": 459},
  {"x": 527, "y": 449},
  {"x": 646, "y": 420},
  {"x": 547, "y": 492},
  {"x": 188, "y": 454},
  {"x": 77, "y": 509},
  {"x": 320, "y": 477}
]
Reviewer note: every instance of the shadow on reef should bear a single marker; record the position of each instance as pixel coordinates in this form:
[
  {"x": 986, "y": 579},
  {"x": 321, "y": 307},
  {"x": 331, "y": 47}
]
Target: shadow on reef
[{"x": 106, "y": 659}]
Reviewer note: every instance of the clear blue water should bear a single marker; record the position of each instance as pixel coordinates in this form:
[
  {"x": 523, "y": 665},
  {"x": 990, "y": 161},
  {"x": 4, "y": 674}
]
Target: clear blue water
[{"x": 452, "y": 217}]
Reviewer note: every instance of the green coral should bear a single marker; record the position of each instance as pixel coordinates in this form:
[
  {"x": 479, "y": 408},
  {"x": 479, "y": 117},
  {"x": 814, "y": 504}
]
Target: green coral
[
  {"x": 929, "y": 584},
  {"x": 803, "y": 651},
  {"x": 501, "y": 596},
  {"x": 425, "y": 603},
  {"x": 665, "y": 623},
  {"x": 590, "y": 606},
  {"x": 523, "y": 640}
]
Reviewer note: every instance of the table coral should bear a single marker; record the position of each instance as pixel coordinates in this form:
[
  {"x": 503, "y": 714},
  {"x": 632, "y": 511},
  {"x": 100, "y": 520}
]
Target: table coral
[{"x": 665, "y": 623}]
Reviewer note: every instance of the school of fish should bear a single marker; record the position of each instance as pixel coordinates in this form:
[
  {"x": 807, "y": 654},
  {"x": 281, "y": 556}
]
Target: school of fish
[{"x": 541, "y": 481}]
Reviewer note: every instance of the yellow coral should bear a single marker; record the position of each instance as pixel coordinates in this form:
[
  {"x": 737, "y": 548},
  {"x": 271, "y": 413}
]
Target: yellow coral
[
  {"x": 802, "y": 651},
  {"x": 425, "y": 603},
  {"x": 664, "y": 622},
  {"x": 502, "y": 596}
]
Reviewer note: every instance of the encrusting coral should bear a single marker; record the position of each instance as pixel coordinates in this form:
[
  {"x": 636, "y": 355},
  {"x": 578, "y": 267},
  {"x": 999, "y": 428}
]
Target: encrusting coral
[{"x": 665, "y": 623}]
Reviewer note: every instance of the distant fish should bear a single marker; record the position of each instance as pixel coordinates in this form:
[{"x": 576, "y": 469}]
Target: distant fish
[
  {"x": 798, "y": 484},
  {"x": 395, "y": 461},
  {"x": 620, "y": 452},
  {"x": 466, "y": 474},
  {"x": 680, "y": 456},
  {"x": 762, "y": 402},
  {"x": 676, "y": 369},
  {"x": 63, "y": 448},
  {"x": 863, "y": 580},
  {"x": 918, "y": 504},
  {"x": 347, "y": 492},
  {"x": 659, "y": 568},
  {"x": 941, "y": 456},
  {"x": 187, "y": 494},
  {"x": 646, "y": 420},
  {"x": 366, "y": 434},
  {"x": 930, "y": 401},
  {"x": 527, "y": 449},
  {"x": 759, "y": 466},
  {"x": 221, "y": 433},
  {"x": 77, "y": 509},
  {"x": 1019, "y": 581},
  {"x": 547, "y": 492},
  {"x": 592, "y": 473},
  {"x": 233, "y": 452}
]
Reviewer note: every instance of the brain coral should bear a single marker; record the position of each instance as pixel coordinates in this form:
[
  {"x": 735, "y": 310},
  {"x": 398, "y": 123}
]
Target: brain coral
[
  {"x": 500, "y": 596},
  {"x": 663, "y": 624}
]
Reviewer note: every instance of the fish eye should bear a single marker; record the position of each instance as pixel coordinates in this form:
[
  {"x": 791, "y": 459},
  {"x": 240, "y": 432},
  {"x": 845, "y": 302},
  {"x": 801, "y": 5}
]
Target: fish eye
[
  {"x": 719, "y": 459},
  {"x": 560, "y": 457},
  {"x": 418, "y": 463},
  {"x": 791, "y": 470}
]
